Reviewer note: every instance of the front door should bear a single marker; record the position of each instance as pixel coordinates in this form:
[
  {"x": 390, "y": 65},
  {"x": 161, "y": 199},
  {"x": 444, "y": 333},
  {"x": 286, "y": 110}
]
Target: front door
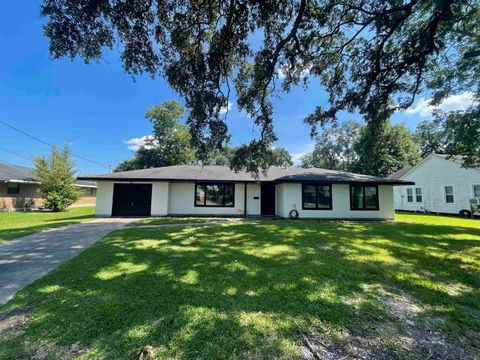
[
  {"x": 267, "y": 201},
  {"x": 132, "y": 199}
]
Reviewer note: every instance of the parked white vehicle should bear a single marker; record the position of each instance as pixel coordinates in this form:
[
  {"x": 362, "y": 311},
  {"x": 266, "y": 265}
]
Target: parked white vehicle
[{"x": 442, "y": 185}]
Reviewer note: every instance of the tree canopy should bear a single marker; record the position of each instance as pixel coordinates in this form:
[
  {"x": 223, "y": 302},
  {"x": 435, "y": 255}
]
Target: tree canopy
[
  {"x": 334, "y": 148},
  {"x": 453, "y": 133},
  {"x": 384, "y": 154},
  {"x": 170, "y": 144},
  {"x": 431, "y": 137},
  {"x": 371, "y": 56},
  {"x": 352, "y": 147}
]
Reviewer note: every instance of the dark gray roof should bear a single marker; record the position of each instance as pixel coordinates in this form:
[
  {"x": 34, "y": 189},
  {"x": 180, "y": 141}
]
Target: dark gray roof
[
  {"x": 15, "y": 172},
  {"x": 10, "y": 172},
  {"x": 397, "y": 175},
  {"x": 223, "y": 173}
]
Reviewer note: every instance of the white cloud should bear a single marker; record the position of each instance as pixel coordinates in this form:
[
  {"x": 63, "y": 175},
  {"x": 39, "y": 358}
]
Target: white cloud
[
  {"x": 301, "y": 151},
  {"x": 224, "y": 109},
  {"x": 455, "y": 102},
  {"x": 135, "y": 143},
  {"x": 282, "y": 71}
]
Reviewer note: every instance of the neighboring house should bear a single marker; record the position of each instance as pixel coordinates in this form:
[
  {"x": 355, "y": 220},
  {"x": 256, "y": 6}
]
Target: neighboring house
[
  {"x": 217, "y": 190},
  {"x": 20, "y": 190},
  {"x": 441, "y": 185}
]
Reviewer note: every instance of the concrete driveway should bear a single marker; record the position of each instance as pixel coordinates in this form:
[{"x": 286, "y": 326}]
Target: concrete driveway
[{"x": 25, "y": 259}]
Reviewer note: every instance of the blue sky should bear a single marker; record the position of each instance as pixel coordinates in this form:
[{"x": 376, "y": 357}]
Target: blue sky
[{"x": 97, "y": 107}]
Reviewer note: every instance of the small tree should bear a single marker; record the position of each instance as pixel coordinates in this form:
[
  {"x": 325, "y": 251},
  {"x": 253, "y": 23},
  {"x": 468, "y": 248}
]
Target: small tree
[{"x": 56, "y": 175}]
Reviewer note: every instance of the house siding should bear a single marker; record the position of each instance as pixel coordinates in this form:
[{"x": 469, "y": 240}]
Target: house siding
[
  {"x": 160, "y": 198},
  {"x": 182, "y": 198},
  {"x": 177, "y": 198},
  {"x": 279, "y": 200},
  {"x": 432, "y": 175},
  {"x": 253, "y": 205},
  {"x": 289, "y": 196}
]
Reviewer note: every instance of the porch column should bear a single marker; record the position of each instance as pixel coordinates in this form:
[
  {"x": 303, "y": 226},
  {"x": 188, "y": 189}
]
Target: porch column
[{"x": 245, "y": 199}]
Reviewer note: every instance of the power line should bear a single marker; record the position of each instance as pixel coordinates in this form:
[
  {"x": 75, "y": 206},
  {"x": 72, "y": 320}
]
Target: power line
[
  {"x": 52, "y": 146},
  {"x": 15, "y": 153}
]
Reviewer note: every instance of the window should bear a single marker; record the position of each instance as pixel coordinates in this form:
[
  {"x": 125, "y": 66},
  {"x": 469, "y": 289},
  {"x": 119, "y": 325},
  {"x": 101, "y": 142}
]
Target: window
[
  {"x": 89, "y": 191},
  {"x": 418, "y": 195},
  {"x": 316, "y": 197},
  {"x": 13, "y": 188},
  {"x": 409, "y": 195},
  {"x": 449, "y": 198},
  {"x": 476, "y": 191},
  {"x": 363, "y": 197},
  {"x": 215, "y": 195}
]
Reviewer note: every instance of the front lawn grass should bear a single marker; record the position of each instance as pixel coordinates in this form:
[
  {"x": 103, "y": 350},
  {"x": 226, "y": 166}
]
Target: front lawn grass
[
  {"x": 444, "y": 220},
  {"x": 259, "y": 290},
  {"x": 167, "y": 220},
  {"x": 18, "y": 224}
]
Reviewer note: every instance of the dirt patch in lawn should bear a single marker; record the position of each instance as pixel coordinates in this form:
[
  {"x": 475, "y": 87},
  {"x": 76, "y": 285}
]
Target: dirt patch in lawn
[
  {"x": 13, "y": 320},
  {"x": 406, "y": 333}
]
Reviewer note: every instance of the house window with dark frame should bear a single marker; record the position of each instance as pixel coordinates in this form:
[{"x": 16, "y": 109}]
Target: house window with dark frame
[
  {"x": 409, "y": 195},
  {"x": 364, "y": 197},
  {"x": 215, "y": 195},
  {"x": 418, "y": 195},
  {"x": 13, "y": 188},
  {"x": 449, "y": 197},
  {"x": 316, "y": 197}
]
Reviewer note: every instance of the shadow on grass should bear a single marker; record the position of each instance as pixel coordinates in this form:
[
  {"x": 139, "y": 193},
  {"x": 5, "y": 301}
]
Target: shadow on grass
[{"x": 245, "y": 290}]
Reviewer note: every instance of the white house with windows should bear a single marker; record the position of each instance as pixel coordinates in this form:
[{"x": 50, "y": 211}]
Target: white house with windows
[
  {"x": 442, "y": 185},
  {"x": 219, "y": 191}
]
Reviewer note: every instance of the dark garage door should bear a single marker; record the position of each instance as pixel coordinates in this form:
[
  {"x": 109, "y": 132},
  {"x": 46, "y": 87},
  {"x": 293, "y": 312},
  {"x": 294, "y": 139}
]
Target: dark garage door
[{"x": 132, "y": 199}]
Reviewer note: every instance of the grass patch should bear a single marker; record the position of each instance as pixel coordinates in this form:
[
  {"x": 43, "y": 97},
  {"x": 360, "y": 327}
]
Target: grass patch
[
  {"x": 427, "y": 219},
  {"x": 256, "y": 290},
  {"x": 18, "y": 224},
  {"x": 176, "y": 220}
]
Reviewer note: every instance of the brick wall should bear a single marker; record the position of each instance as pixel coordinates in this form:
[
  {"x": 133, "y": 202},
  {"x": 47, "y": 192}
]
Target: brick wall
[{"x": 29, "y": 192}]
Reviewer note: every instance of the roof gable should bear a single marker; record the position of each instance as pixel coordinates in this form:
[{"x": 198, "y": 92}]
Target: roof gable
[{"x": 458, "y": 159}]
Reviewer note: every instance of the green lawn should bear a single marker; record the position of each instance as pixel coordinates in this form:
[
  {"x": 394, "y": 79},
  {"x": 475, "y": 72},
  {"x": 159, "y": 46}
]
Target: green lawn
[
  {"x": 178, "y": 220},
  {"x": 17, "y": 224},
  {"x": 259, "y": 290}
]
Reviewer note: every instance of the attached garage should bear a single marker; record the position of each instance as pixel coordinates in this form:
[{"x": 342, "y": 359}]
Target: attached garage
[{"x": 132, "y": 200}]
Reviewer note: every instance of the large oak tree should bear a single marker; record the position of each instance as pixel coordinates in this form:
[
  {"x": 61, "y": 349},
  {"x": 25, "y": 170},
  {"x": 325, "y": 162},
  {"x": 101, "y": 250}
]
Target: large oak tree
[{"x": 372, "y": 56}]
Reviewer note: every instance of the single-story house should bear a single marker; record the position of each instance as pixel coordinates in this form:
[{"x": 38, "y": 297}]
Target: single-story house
[
  {"x": 19, "y": 189},
  {"x": 442, "y": 185},
  {"x": 219, "y": 191}
]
